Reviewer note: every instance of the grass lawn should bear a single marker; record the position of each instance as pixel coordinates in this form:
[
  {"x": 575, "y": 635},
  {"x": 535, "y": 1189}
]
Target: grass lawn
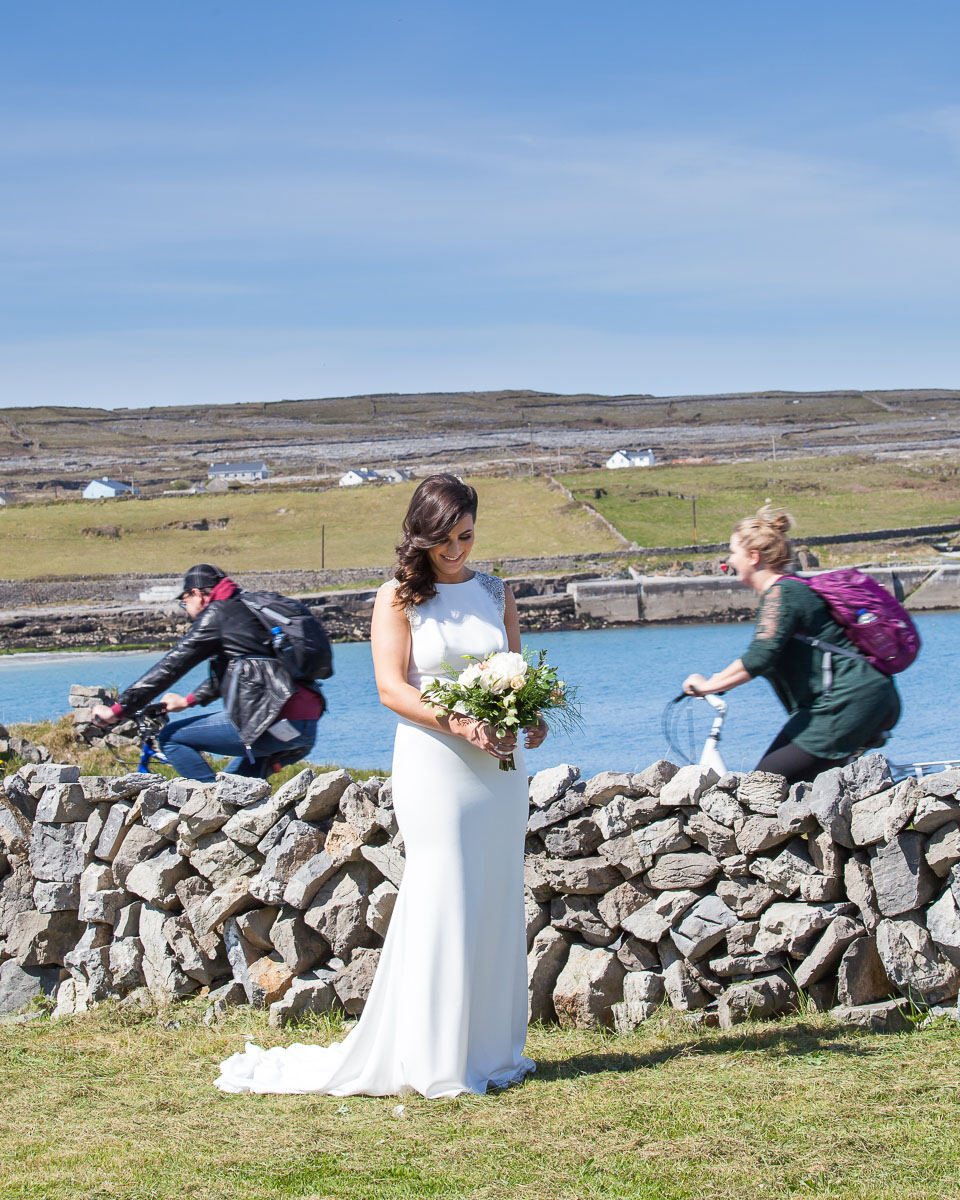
[
  {"x": 275, "y": 531},
  {"x": 122, "y": 1105},
  {"x": 825, "y": 495}
]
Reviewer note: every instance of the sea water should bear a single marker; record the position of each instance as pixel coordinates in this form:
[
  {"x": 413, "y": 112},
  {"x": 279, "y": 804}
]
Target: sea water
[{"x": 625, "y": 678}]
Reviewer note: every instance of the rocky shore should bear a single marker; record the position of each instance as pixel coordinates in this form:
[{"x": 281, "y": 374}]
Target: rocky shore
[{"x": 725, "y": 898}]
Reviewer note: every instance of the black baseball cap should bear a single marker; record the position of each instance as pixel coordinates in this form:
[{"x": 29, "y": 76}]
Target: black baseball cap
[{"x": 202, "y": 576}]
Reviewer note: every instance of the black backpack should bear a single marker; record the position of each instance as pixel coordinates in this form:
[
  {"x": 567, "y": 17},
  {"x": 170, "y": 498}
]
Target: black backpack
[{"x": 299, "y": 640}]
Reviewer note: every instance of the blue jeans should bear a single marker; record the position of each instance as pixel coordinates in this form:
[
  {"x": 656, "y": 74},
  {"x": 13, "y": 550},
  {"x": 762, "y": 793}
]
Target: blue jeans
[{"x": 215, "y": 733}]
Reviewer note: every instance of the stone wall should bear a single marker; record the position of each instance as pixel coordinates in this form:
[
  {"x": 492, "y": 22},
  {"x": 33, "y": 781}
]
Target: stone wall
[{"x": 724, "y": 898}]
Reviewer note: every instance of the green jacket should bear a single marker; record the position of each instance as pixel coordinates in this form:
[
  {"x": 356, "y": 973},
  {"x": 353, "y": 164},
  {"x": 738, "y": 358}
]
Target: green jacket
[{"x": 861, "y": 698}]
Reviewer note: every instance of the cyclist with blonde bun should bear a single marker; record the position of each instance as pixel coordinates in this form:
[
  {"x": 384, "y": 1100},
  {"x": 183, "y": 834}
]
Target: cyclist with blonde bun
[{"x": 834, "y": 714}]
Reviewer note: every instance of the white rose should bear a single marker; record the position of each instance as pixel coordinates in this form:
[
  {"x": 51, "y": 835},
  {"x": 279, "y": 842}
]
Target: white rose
[
  {"x": 505, "y": 667},
  {"x": 470, "y": 676}
]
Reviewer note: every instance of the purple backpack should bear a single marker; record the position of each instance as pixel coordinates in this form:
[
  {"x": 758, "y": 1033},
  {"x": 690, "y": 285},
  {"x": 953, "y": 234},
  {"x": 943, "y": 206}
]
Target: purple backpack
[{"x": 877, "y": 624}]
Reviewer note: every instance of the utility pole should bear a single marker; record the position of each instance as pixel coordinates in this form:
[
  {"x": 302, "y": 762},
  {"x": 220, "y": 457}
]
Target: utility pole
[
  {"x": 323, "y": 546},
  {"x": 773, "y": 443},
  {"x": 696, "y": 540}
]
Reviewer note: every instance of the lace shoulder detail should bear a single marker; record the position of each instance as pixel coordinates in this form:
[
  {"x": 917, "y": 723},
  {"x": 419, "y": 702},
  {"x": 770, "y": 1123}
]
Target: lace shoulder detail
[
  {"x": 494, "y": 587},
  {"x": 411, "y": 610}
]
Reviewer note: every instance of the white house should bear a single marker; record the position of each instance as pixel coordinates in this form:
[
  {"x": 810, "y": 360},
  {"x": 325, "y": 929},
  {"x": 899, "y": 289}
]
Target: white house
[
  {"x": 241, "y": 472},
  {"x": 395, "y": 475},
  {"x": 108, "y": 489},
  {"x": 7, "y": 498},
  {"x": 357, "y": 475},
  {"x": 630, "y": 458}
]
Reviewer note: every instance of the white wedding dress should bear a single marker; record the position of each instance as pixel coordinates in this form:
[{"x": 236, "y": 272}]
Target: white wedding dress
[{"x": 447, "y": 1012}]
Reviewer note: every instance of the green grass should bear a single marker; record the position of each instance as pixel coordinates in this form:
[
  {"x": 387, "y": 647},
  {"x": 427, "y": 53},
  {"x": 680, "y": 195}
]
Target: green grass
[
  {"x": 122, "y": 1105},
  {"x": 825, "y": 495},
  {"x": 517, "y": 518}
]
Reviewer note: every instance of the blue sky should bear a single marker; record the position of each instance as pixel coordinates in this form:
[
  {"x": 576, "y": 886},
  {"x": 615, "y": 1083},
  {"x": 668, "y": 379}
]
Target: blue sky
[{"x": 205, "y": 202}]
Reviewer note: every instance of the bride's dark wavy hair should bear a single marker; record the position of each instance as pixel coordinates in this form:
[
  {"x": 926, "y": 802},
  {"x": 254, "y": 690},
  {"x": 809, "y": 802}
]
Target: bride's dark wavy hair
[{"x": 435, "y": 508}]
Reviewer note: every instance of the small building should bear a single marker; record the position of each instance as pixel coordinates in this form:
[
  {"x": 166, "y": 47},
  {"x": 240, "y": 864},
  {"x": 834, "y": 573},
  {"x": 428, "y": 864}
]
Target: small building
[
  {"x": 241, "y": 472},
  {"x": 630, "y": 458},
  {"x": 7, "y": 498},
  {"x": 358, "y": 475},
  {"x": 108, "y": 489},
  {"x": 395, "y": 475}
]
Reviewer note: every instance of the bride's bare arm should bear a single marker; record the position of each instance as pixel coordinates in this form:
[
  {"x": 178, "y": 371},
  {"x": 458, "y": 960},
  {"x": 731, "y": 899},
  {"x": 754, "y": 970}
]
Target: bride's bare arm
[
  {"x": 511, "y": 622},
  {"x": 390, "y": 642}
]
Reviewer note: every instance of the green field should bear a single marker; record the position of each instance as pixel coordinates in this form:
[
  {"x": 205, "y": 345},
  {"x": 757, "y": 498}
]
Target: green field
[
  {"x": 122, "y": 1105},
  {"x": 275, "y": 531},
  {"x": 825, "y": 495}
]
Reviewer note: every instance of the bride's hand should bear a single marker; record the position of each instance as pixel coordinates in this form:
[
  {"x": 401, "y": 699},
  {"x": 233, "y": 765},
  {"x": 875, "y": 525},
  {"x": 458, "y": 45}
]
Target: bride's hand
[
  {"x": 534, "y": 734},
  {"x": 485, "y": 737}
]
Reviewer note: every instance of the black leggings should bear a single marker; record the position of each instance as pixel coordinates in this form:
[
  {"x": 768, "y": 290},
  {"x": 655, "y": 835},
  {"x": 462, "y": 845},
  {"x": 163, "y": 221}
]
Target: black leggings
[{"x": 784, "y": 757}]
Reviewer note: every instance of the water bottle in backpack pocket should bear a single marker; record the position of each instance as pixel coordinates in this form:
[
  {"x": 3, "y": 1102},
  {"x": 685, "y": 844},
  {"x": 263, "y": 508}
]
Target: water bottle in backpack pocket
[{"x": 298, "y": 639}]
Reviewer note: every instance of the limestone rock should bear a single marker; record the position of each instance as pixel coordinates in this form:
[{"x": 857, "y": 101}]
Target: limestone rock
[
  {"x": 661, "y": 837},
  {"x": 549, "y": 785},
  {"x": 787, "y": 871},
  {"x": 238, "y": 791},
  {"x": 545, "y": 960},
  {"x": 311, "y": 993},
  {"x": 255, "y": 925},
  {"x": 50, "y": 896},
  {"x": 651, "y": 922},
  {"x": 204, "y": 812},
  {"x": 588, "y": 987},
  {"x": 861, "y": 978},
  {"x": 155, "y": 880},
  {"x": 19, "y": 986},
  {"x": 139, "y": 844},
  {"x": 912, "y": 962},
  {"x": 574, "y": 838},
  {"x": 611, "y": 819},
  {"x": 606, "y": 785},
  {"x": 765, "y": 996},
  {"x": 858, "y": 884},
  {"x": 339, "y": 910},
  {"x": 716, "y": 839},
  {"x": 889, "y": 1016},
  {"x": 831, "y": 804},
  {"x": 828, "y": 950},
  {"x": 702, "y": 926},
  {"x": 164, "y": 978},
  {"x": 114, "y": 830},
  {"x": 622, "y": 853},
  {"x": 933, "y": 811},
  {"x": 56, "y": 852},
  {"x": 300, "y": 947},
  {"x": 343, "y": 842},
  {"x": 201, "y": 958},
  {"x": 300, "y": 842},
  {"x": 636, "y": 955},
  {"x": 901, "y": 877},
  {"x": 536, "y": 915},
  {"x": 685, "y": 870},
  {"x": 323, "y": 796},
  {"x": 760, "y": 833},
  {"x": 820, "y": 888},
  {"x": 734, "y": 965},
  {"x": 579, "y": 915},
  {"x": 43, "y": 939},
  {"x": 943, "y": 849},
  {"x": 740, "y": 937},
  {"x": 762, "y": 792},
  {"x": 125, "y": 956},
  {"x": 584, "y": 876},
  {"x": 723, "y": 808},
  {"x": 359, "y": 812},
  {"x": 62, "y": 802},
  {"x": 572, "y": 802},
  {"x": 643, "y": 993},
  {"x": 307, "y": 880},
  {"x": 248, "y": 825},
  {"x": 384, "y": 897},
  {"x": 220, "y": 860},
  {"x": 621, "y": 901},
  {"x": 687, "y": 785},
  {"x": 267, "y": 979},
  {"x": 682, "y": 982},
  {"x": 207, "y": 913},
  {"x": 941, "y": 783},
  {"x": 653, "y": 778},
  {"x": 943, "y": 925},
  {"x": 881, "y": 817},
  {"x": 746, "y": 898},
  {"x": 791, "y": 927},
  {"x": 352, "y": 982},
  {"x": 228, "y": 995},
  {"x": 866, "y": 776},
  {"x": 163, "y": 821},
  {"x": 127, "y": 921}
]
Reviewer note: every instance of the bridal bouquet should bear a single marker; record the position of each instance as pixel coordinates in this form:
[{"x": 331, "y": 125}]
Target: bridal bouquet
[{"x": 507, "y": 690}]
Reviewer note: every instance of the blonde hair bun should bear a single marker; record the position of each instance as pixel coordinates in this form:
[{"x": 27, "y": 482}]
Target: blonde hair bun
[
  {"x": 766, "y": 533},
  {"x": 778, "y": 519}
]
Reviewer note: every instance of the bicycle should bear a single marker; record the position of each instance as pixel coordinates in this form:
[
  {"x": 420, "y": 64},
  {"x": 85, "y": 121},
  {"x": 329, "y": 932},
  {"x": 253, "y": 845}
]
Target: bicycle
[
  {"x": 684, "y": 744},
  {"x": 148, "y": 721}
]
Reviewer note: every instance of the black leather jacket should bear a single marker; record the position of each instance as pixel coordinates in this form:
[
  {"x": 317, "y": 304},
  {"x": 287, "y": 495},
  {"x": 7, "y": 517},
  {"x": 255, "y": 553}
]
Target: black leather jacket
[{"x": 243, "y": 670}]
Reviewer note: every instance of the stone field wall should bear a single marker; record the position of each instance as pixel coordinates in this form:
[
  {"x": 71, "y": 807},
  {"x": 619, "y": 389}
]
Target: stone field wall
[{"x": 725, "y": 898}]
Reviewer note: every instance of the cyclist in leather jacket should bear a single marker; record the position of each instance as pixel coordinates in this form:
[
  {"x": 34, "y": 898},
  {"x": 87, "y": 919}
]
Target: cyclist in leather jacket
[{"x": 267, "y": 718}]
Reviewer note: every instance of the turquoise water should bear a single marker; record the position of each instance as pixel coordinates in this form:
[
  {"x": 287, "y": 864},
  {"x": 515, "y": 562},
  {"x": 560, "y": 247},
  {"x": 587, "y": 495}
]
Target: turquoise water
[{"x": 625, "y": 677}]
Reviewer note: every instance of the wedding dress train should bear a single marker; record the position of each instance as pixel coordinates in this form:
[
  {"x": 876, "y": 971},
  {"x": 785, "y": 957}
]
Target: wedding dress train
[{"x": 447, "y": 1012}]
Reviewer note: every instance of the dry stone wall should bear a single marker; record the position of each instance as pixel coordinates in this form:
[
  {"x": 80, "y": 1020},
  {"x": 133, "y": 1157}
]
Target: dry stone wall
[{"x": 725, "y": 898}]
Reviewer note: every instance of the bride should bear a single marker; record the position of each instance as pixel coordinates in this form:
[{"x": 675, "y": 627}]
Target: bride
[{"x": 447, "y": 1012}]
